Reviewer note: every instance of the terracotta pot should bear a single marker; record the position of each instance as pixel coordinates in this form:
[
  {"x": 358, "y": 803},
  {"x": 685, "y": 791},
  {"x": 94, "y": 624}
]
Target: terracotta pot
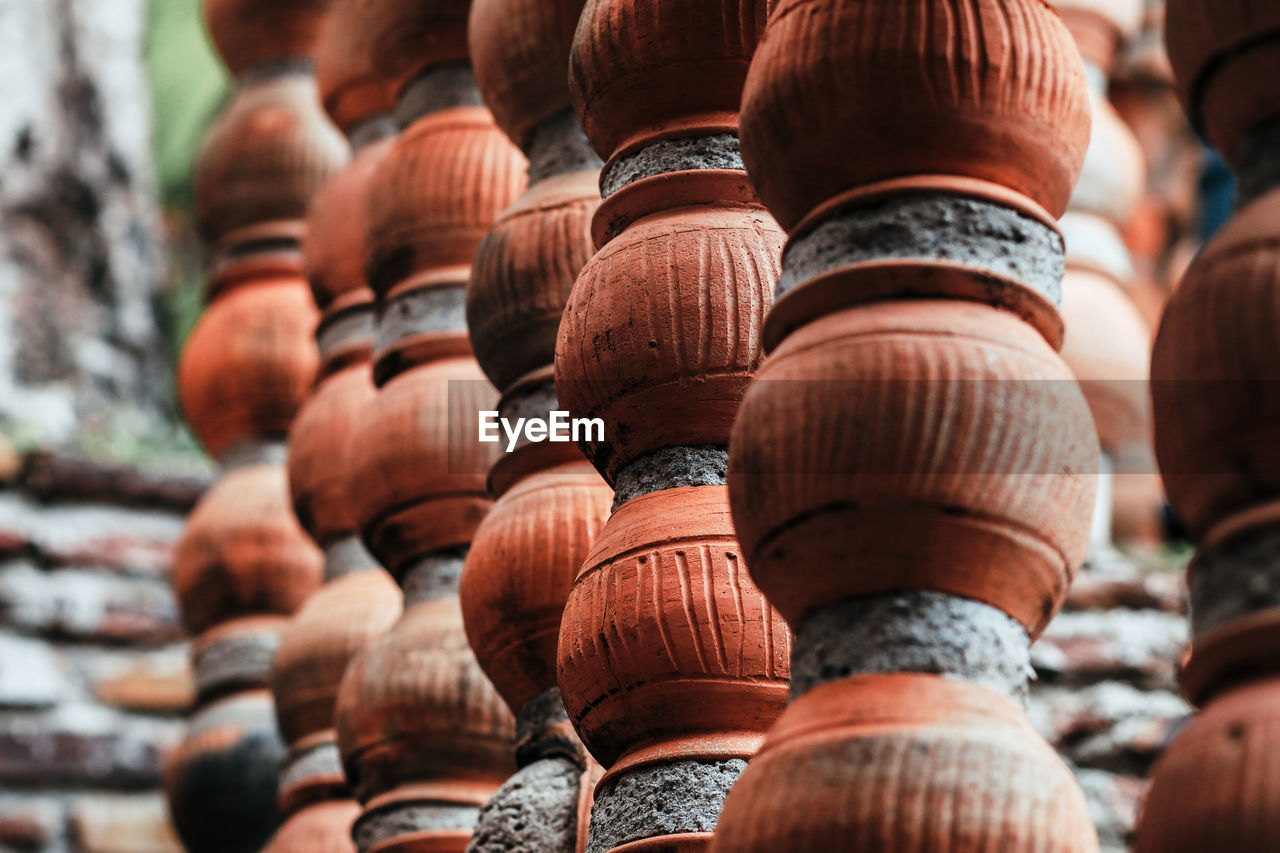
[
  {"x": 319, "y": 450},
  {"x": 993, "y": 75},
  {"x": 632, "y": 62},
  {"x": 321, "y": 828},
  {"x": 435, "y": 196},
  {"x": 351, "y": 87},
  {"x": 221, "y": 781},
  {"x": 521, "y": 50},
  {"x": 666, "y": 646},
  {"x": 249, "y": 363},
  {"x": 243, "y": 553},
  {"x": 415, "y": 710},
  {"x": 343, "y": 617},
  {"x": 334, "y": 242},
  {"x": 1223, "y": 56},
  {"x": 249, "y": 34},
  {"x": 264, "y": 157},
  {"x": 522, "y": 562},
  {"x": 1210, "y": 788},
  {"x": 405, "y": 37},
  {"x": 661, "y": 334},
  {"x": 1214, "y": 371},
  {"x": 235, "y": 655},
  {"x": 937, "y": 445},
  {"x": 1098, "y": 26},
  {"x": 905, "y": 762},
  {"x": 523, "y": 273},
  {"x": 1113, "y": 179},
  {"x": 418, "y": 471}
]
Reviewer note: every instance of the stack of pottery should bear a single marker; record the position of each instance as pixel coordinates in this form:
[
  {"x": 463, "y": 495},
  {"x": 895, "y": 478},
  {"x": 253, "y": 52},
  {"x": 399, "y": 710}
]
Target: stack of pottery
[
  {"x": 244, "y": 565},
  {"x": 424, "y": 737},
  {"x": 913, "y": 471},
  {"x": 1216, "y": 404},
  {"x": 671, "y": 664},
  {"x": 549, "y": 502},
  {"x": 358, "y": 600}
]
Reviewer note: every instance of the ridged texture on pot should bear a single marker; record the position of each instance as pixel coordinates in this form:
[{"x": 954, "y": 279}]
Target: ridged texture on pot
[
  {"x": 1225, "y": 53},
  {"x": 415, "y": 708},
  {"x": 634, "y": 63},
  {"x": 264, "y": 157},
  {"x": 251, "y": 33},
  {"x": 1214, "y": 374},
  {"x": 334, "y": 243},
  {"x": 243, "y": 553},
  {"x": 221, "y": 781},
  {"x": 522, "y": 563},
  {"x": 319, "y": 447},
  {"x": 405, "y": 37},
  {"x": 661, "y": 334},
  {"x": 521, "y": 50},
  {"x": 351, "y": 86},
  {"x": 321, "y": 828},
  {"x": 665, "y": 637},
  {"x": 325, "y": 634},
  {"x": 1215, "y": 787},
  {"x": 989, "y": 89},
  {"x": 524, "y": 271},
  {"x": 249, "y": 363},
  {"x": 418, "y": 471},
  {"x": 915, "y": 445},
  {"x": 909, "y": 763},
  {"x": 436, "y": 194}
]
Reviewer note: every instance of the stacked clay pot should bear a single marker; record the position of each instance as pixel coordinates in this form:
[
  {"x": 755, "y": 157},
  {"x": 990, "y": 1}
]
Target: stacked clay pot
[
  {"x": 425, "y": 739},
  {"x": 671, "y": 664},
  {"x": 1215, "y": 399},
  {"x": 549, "y": 503},
  {"x": 913, "y": 471},
  {"x": 358, "y": 601},
  {"x": 244, "y": 564}
]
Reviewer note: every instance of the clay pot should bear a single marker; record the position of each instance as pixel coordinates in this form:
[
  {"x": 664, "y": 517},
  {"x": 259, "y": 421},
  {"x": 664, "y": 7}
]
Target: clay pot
[
  {"x": 415, "y": 710},
  {"x": 351, "y": 87},
  {"x": 319, "y": 450},
  {"x": 523, "y": 273},
  {"x": 1224, "y": 55},
  {"x": 249, "y": 34},
  {"x": 1115, "y": 168},
  {"x": 264, "y": 157},
  {"x": 243, "y": 552},
  {"x": 905, "y": 762},
  {"x": 522, "y": 562},
  {"x": 520, "y": 49},
  {"x": 235, "y": 655},
  {"x": 1214, "y": 374},
  {"x": 325, "y": 634},
  {"x": 1211, "y": 788},
  {"x": 666, "y": 645},
  {"x": 418, "y": 471},
  {"x": 435, "y": 196},
  {"x": 405, "y": 37},
  {"x": 249, "y": 363},
  {"x": 661, "y": 334},
  {"x": 936, "y": 445},
  {"x": 1099, "y": 26},
  {"x": 991, "y": 76},
  {"x": 221, "y": 781},
  {"x": 320, "y": 828},
  {"x": 632, "y": 63}
]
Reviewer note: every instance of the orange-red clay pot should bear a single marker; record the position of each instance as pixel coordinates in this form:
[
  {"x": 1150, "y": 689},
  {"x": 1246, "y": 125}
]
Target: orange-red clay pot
[
  {"x": 1214, "y": 374},
  {"x": 909, "y": 763},
  {"x": 351, "y": 88},
  {"x": 320, "y": 828},
  {"x": 662, "y": 331},
  {"x": 418, "y": 470},
  {"x": 405, "y": 37},
  {"x": 522, "y": 562},
  {"x": 523, "y": 273},
  {"x": 249, "y": 34},
  {"x": 249, "y": 363},
  {"x": 1099, "y": 26},
  {"x": 933, "y": 445},
  {"x": 989, "y": 76},
  {"x": 1113, "y": 179},
  {"x": 243, "y": 553},
  {"x": 667, "y": 650},
  {"x": 265, "y": 157}
]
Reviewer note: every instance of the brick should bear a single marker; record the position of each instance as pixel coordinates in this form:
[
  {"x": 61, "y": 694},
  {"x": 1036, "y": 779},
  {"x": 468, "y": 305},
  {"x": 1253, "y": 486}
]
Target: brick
[
  {"x": 123, "y": 824},
  {"x": 87, "y": 605},
  {"x": 31, "y": 674}
]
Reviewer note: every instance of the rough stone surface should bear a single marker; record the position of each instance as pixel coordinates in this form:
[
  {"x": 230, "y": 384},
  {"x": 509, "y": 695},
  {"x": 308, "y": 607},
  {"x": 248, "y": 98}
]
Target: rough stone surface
[
  {"x": 1239, "y": 577},
  {"x": 559, "y": 146},
  {"x": 540, "y": 713},
  {"x": 433, "y": 576},
  {"x": 408, "y": 819},
  {"x": 345, "y": 556},
  {"x": 235, "y": 663},
  {"x": 529, "y": 403},
  {"x": 671, "y": 468},
  {"x": 536, "y": 811},
  {"x": 435, "y": 309},
  {"x": 664, "y": 799},
  {"x": 912, "y": 632},
  {"x": 438, "y": 88},
  {"x": 718, "y": 151}
]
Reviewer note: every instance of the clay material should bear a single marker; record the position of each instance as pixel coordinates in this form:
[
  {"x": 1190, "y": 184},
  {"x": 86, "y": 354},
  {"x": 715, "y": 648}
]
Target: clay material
[
  {"x": 440, "y": 87},
  {"x": 320, "y": 828},
  {"x": 249, "y": 34}
]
